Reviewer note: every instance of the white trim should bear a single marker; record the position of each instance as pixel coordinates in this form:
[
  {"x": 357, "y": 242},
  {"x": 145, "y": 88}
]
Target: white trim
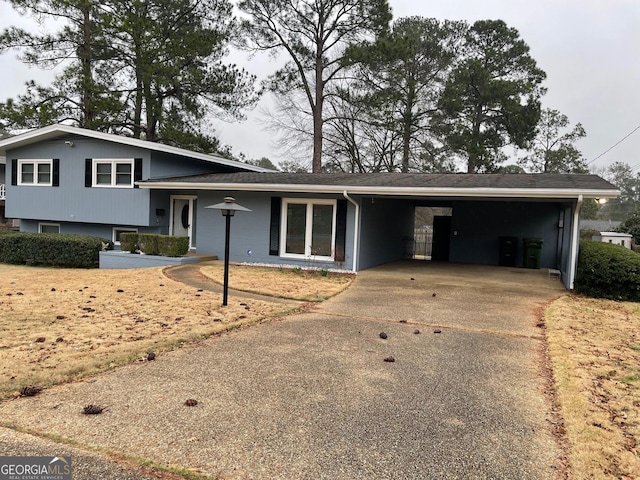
[
  {"x": 575, "y": 243},
  {"x": 356, "y": 230},
  {"x": 386, "y": 190},
  {"x": 52, "y": 132},
  {"x": 35, "y": 162},
  {"x": 47, "y": 224},
  {"x": 121, "y": 230},
  {"x": 192, "y": 216},
  {"x": 308, "y": 254},
  {"x": 114, "y": 162}
]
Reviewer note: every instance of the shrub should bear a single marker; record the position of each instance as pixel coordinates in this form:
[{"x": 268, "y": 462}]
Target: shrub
[
  {"x": 152, "y": 244},
  {"x": 608, "y": 271},
  {"x": 172, "y": 246},
  {"x": 631, "y": 225},
  {"x": 129, "y": 242},
  {"x": 148, "y": 243},
  {"x": 51, "y": 249}
]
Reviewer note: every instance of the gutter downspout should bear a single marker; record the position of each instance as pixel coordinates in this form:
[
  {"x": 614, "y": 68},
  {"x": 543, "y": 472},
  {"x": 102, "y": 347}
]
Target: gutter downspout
[
  {"x": 356, "y": 230},
  {"x": 575, "y": 237}
]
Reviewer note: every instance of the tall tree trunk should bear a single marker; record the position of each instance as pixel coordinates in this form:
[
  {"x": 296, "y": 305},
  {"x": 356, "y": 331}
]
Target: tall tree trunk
[
  {"x": 474, "y": 148},
  {"x": 317, "y": 140},
  {"x": 316, "y": 165},
  {"x": 137, "y": 112},
  {"x": 150, "y": 109},
  {"x": 407, "y": 121},
  {"x": 86, "y": 80}
]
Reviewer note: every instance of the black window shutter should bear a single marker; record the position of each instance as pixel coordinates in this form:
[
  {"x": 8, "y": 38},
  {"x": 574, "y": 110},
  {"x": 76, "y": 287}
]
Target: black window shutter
[
  {"x": 55, "y": 175},
  {"x": 88, "y": 177},
  {"x": 137, "y": 171},
  {"x": 341, "y": 230},
  {"x": 274, "y": 230},
  {"x": 14, "y": 171}
]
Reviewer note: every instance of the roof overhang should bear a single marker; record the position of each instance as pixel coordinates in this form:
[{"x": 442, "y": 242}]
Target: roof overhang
[
  {"x": 51, "y": 132},
  {"x": 385, "y": 190}
]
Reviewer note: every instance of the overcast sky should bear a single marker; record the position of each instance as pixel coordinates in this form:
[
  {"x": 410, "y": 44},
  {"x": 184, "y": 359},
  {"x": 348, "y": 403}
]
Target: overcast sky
[{"x": 590, "y": 50}]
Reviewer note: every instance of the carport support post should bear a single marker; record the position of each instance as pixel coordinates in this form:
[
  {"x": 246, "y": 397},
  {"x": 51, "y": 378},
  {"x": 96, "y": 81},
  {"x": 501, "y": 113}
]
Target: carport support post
[{"x": 575, "y": 243}]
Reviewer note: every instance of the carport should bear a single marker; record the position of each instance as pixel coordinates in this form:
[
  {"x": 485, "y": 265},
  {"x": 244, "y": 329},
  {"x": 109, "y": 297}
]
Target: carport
[
  {"x": 475, "y": 232},
  {"x": 369, "y": 217}
]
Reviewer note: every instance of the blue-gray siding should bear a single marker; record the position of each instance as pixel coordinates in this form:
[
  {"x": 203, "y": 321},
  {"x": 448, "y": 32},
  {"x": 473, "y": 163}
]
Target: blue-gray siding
[
  {"x": 93, "y": 229},
  {"x": 386, "y": 224},
  {"x": 250, "y": 230},
  {"x": 476, "y": 227},
  {"x": 165, "y": 165},
  {"x": 72, "y": 202}
]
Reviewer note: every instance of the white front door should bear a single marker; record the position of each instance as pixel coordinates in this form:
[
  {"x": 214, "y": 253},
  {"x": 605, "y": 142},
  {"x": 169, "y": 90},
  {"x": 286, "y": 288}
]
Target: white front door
[{"x": 183, "y": 218}]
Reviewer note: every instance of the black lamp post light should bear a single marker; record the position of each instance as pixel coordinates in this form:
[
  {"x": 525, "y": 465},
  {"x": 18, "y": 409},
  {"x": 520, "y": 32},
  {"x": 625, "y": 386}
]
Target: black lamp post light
[{"x": 228, "y": 208}]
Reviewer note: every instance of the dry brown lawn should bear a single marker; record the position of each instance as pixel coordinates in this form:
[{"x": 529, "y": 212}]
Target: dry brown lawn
[
  {"x": 296, "y": 284},
  {"x": 61, "y": 324},
  {"x": 594, "y": 346}
]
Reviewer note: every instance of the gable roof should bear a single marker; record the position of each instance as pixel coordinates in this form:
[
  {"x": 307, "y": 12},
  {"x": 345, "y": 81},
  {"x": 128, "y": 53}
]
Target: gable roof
[
  {"x": 59, "y": 130},
  {"x": 445, "y": 184}
]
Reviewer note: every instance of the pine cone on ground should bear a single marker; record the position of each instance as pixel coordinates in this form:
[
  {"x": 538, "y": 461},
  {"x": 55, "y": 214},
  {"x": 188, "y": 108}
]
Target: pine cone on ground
[
  {"x": 93, "y": 409},
  {"x": 30, "y": 390}
]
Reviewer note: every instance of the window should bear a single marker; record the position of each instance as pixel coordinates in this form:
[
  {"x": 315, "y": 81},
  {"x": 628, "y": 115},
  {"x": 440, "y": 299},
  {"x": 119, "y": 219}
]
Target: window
[
  {"x": 35, "y": 172},
  {"x": 118, "y": 230},
  {"x": 112, "y": 173},
  {"x": 308, "y": 228},
  {"x": 48, "y": 228}
]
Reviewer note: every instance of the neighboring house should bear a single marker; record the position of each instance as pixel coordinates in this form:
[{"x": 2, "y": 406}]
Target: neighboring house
[
  {"x": 599, "y": 225},
  {"x": 78, "y": 181},
  {"x": 615, "y": 238}
]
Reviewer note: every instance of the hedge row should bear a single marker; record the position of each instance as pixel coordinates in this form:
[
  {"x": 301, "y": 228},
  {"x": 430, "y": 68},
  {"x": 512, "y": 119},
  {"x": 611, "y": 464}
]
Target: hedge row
[
  {"x": 608, "y": 271},
  {"x": 152, "y": 244},
  {"x": 52, "y": 249}
]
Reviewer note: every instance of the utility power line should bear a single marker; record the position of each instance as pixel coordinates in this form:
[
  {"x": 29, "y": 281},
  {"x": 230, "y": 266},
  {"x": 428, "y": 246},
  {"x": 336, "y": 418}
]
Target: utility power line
[{"x": 615, "y": 145}]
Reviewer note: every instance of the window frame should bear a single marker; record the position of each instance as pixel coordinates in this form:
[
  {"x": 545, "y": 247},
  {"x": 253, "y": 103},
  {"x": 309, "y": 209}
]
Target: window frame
[
  {"x": 113, "y": 162},
  {"x": 121, "y": 230},
  {"x": 48, "y": 224},
  {"x": 35, "y": 163},
  {"x": 309, "y": 202}
]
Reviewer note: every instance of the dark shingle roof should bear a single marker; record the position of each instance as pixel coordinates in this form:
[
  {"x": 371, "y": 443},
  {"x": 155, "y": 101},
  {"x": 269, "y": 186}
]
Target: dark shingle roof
[{"x": 403, "y": 180}]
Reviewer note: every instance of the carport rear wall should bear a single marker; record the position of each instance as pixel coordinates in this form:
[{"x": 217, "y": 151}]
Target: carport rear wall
[{"x": 477, "y": 227}]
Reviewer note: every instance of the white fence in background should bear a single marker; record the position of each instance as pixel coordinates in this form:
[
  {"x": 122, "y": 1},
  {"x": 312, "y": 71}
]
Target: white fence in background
[{"x": 422, "y": 243}]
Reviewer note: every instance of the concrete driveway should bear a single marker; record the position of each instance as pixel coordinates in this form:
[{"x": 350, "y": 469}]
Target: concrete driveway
[{"x": 311, "y": 397}]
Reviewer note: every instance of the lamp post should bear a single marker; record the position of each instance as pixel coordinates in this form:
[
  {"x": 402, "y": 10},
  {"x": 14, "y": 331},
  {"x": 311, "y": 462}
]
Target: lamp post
[{"x": 228, "y": 208}]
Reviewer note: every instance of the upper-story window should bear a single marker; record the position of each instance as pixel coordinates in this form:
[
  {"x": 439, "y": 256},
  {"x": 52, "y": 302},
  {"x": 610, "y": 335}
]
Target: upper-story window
[
  {"x": 113, "y": 173},
  {"x": 35, "y": 172}
]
